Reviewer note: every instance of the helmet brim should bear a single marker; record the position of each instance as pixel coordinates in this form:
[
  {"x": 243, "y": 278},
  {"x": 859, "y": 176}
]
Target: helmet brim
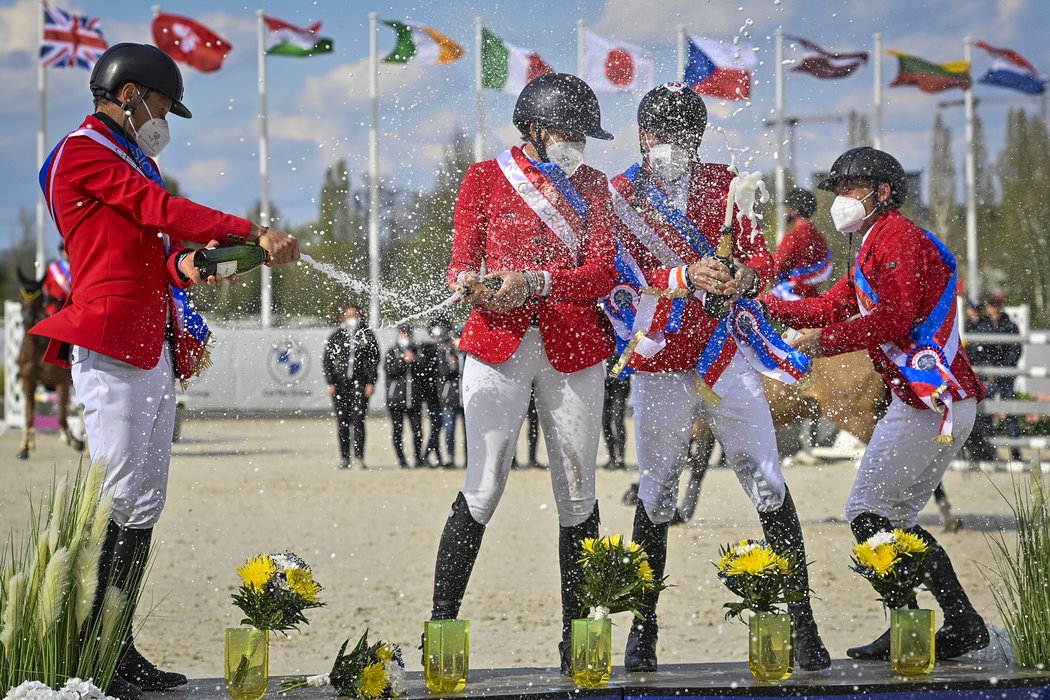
[
  {"x": 598, "y": 133},
  {"x": 180, "y": 110}
]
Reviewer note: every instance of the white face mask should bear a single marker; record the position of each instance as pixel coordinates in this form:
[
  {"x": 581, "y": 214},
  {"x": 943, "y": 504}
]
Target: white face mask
[
  {"x": 153, "y": 136},
  {"x": 402, "y": 342},
  {"x": 352, "y": 323},
  {"x": 848, "y": 214},
  {"x": 568, "y": 155},
  {"x": 669, "y": 162}
]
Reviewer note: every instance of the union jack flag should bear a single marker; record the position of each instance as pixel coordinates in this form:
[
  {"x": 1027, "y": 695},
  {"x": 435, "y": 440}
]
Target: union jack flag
[{"x": 71, "y": 40}]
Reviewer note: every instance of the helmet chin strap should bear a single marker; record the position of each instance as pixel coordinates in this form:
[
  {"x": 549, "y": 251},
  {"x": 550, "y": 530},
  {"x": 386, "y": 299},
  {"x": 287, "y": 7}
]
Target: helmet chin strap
[
  {"x": 129, "y": 108},
  {"x": 538, "y": 144}
]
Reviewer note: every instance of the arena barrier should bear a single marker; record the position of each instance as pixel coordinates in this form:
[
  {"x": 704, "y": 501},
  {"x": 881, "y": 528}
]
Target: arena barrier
[{"x": 845, "y": 680}]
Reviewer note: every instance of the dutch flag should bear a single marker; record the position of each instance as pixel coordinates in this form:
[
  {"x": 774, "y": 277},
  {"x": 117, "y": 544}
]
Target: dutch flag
[{"x": 1012, "y": 70}]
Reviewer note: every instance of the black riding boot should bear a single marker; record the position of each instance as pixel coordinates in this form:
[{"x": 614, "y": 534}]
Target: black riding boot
[
  {"x": 640, "y": 653},
  {"x": 864, "y": 526},
  {"x": 964, "y": 630},
  {"x": 126, "y": 552},
  {"x": 784, "y": 534},
  {"x": 569, "y": 539},
  {"x": 457, "y": 551}
]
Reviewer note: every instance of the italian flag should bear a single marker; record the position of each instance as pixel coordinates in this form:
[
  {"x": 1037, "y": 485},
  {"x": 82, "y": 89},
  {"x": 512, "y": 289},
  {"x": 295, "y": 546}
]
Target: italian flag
[
  {"x": 418, "y": 42},
  {"x": 289, "y": 40},
  {"x": 507, "y": 67},
  {"x": 929, "y": 76}
]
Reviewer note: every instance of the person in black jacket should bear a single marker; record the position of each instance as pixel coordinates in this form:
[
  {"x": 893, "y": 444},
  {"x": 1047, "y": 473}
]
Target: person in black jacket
[
  {"x": 995, "y": 321},
  {"x": 351, "y": 367},
  {"x": 430, "y": 371},
  {"x": 403, "y": 394}
]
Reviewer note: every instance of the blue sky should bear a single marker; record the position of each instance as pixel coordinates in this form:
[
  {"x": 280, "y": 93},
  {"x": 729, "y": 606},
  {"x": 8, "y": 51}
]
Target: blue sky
[{"x": 319, "y": 106}]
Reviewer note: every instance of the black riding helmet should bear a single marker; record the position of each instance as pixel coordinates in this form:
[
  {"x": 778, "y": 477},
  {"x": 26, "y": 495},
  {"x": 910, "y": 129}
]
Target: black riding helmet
[
  {"x": 561, "y": 101},
  {"x": 671, "y": 108},
  {"x": 801, "y": 201},
  {"x": 143, "y": 65},
  {"x": 870, "y": 164}
]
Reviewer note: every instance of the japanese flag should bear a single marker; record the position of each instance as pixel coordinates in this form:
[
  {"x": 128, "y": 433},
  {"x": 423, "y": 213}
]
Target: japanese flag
[{"x": 616, "y": 66}]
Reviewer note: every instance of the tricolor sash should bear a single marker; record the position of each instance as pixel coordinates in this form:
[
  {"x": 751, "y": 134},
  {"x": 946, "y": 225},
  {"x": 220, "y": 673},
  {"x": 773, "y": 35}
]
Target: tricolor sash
[
  {"x": 926, "y": 356},
  {"x": 546, "y": 189},
  {"x": 807, "y": 274},
  {"x": 190, "y": 354},
  {"x": 59, "y": 270},
  {"x": 746, "y": 328}
]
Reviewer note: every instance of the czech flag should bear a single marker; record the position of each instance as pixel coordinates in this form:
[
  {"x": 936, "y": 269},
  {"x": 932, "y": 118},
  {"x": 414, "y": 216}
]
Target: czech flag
[
  {"x": 720, "y": 68},
  {"x": 1012, "y": 70}
]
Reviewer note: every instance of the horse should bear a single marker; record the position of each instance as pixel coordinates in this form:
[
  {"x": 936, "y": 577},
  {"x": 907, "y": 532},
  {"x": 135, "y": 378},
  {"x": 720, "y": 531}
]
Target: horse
[{"x": 32, "y": 370}]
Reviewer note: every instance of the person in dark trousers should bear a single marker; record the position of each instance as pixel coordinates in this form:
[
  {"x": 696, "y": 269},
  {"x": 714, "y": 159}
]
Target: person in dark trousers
[
  {"x": 351, "y": 367},
  {"x": 449, "y": 364},
  {"x": 403, "y": 397},
  {"x": 429, "y": 371},
  {"x": 614, "y": 410},
  {"x": 996, "y": 321}
]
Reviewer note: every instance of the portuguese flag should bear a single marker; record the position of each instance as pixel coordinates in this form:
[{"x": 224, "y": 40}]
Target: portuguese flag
[
  {"x": 289, "y": 40},
  {"x": 507, "y": 67},
  {"x": 929, "y": 76},
  {"x": 418, "y": 42}
]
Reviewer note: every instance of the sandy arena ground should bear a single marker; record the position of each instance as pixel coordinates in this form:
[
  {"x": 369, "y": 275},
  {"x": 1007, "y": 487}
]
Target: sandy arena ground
[{"x": 244, "y": 487}]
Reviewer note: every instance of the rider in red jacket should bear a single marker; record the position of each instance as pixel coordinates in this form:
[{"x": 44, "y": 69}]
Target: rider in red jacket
[{"x": 802, "y": 260}]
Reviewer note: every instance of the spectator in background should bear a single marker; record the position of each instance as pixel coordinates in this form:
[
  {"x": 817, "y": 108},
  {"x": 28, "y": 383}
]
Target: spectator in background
[
  {"x": 403, "y": 397},
  {"x": 429, "y": 372},
  {"x": 996, "y": 321},
  {"x": 451, "y": 403},
  {"x": 58, "y": 282},
  {"x": 351, "y": 367},
  {"x": 613, "y": 412},
  {"x": 802, "y": 260}
]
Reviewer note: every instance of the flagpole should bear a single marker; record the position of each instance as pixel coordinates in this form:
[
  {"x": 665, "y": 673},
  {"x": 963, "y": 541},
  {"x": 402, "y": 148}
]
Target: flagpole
[
  {"x": 479, "y": 119},
  {"x": 580, "y": 44},
  {"x": 779, "y": 106},
  {"x": 41, "y": 138},
  {"x": 373, "y": 171},
  {"x": 973, "y": 282},
  {"x": 264, "y": 171},
  {"x": 681, "y": 52},
  {"x": 878, "y": 90}
]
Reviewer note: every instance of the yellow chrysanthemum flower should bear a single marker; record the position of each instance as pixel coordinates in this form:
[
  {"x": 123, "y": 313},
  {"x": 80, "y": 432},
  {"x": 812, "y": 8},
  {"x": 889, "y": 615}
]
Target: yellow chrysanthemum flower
[
  {"x": 257, "y": 572},
  {"x": 726, "y": 560},
  {"x": 385, "y": 653},
  {"x": 909, "y": 543},
  {"x": 373, "y": 680},
  {"x": 645, "y": 572},
  {"x": 757, "y": 562},
  {"x": 589, "y": 545},
  {"x": 633, "y": 547},
  {"x": 880, "y": 559},
  {"x": 613, "y": 541},
  {"x": 783, "y": 564},
  {"x": 302, "y": 583}
]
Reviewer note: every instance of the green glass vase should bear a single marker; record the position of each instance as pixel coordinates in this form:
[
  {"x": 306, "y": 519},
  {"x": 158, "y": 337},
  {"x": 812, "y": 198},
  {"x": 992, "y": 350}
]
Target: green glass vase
[
  {"x": 247, "y": 663},
  {"x": 592, "y": 652},
  {"x": 446, "y": 655},
  {"x": 771, "y": 654},
  {"x": 912, "y": 641}
]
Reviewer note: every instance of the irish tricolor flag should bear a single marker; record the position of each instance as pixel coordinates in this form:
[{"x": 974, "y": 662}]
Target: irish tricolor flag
[
  {"x": 418, "y": 42},
  {"x": 507, "y": 67},
  {"x": 289, "y": 40}
]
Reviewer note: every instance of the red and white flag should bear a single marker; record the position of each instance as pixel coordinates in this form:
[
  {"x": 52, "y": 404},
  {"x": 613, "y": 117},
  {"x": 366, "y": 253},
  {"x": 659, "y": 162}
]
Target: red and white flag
[
  {"x": 616, "y": 66},
  {"x": 826, "y": 64},
  {"x": 71, "y": 40},
  {"x": 190, "y": 42}
]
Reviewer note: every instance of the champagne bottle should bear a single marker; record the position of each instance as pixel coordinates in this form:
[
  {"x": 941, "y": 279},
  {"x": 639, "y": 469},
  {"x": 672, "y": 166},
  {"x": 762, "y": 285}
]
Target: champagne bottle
[
  {"x": 229, "y": 260},
  {"x": 717, "y": 305},
  {"x": 493, "y": 283}
]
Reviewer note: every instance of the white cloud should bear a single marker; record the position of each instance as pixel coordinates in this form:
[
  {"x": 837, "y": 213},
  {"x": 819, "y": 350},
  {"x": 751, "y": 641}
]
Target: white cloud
[
  {"x": 19, "y": 26},
  {"x": 207, "y": 174},
  {"x": 632, "y": 20}
]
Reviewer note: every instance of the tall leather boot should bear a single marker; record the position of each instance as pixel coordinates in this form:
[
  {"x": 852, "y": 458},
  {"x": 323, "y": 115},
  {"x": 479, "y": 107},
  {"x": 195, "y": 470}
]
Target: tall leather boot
[
  {"x": 640, "y": 652},
  {"x": 569, "y": 539},
  {"x": 864, "y": 526},
  {"x": 784, "y": 533},
  {"x": 964, "y": 630},
  {"x": 128, "y": 562},
  {"x": 457, "y": 551}
]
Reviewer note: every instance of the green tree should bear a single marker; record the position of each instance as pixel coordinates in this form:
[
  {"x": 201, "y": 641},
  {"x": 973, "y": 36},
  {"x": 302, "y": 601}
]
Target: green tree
[
  {"x": 943, "y": 210},
  {"x": 858, "y": 130}
]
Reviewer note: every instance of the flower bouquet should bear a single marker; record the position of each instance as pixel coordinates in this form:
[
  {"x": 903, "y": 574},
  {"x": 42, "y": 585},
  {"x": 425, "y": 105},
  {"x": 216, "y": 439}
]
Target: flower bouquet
[
  {"x": 759, "y": 575},
  {"x": 615, "y": 576},
  {"x": 369, "y": 671},
  {"x": 893, "y": 564},
  {"x": 756, "y": 573},
  {"x": 275, "y": 591},
  {"x": 74, "y": 689}
]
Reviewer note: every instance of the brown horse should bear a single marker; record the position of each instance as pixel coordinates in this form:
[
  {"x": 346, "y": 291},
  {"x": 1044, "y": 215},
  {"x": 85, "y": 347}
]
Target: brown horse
[{"x": 32, "y": 369}]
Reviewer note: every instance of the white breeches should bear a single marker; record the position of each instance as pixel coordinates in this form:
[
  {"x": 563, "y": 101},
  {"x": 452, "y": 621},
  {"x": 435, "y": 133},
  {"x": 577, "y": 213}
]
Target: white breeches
[
  {"x": 495, "y": 400},
  {"x": 904, "y": 463},
  {"x": 665, "y": 406},
  {"x": 129, "y": 415}
]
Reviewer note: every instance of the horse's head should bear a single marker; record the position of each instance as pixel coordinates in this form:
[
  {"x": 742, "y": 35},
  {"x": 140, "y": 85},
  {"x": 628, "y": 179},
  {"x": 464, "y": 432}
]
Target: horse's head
[{"x": 32, "y": 297}]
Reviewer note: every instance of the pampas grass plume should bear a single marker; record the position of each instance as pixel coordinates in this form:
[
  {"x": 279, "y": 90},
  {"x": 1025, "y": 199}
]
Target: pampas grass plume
[
  {"x": 12, "y": 614},
  {"x": 53, "y": 590},
  {"x": 113, "y": 605}
]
